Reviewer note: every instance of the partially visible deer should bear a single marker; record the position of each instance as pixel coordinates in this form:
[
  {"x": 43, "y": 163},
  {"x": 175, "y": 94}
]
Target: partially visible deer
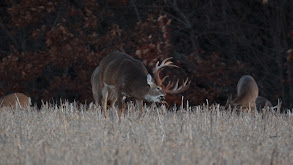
[
  {"x": 262, "y": 102},
  {"x": 247, "y": 92},
  {"x": 121, "y": 75},
  {"x": 15, "y": 99}
]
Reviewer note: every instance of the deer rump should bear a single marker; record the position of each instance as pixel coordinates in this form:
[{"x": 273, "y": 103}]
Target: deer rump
[
  {"x": 97, "y": 91},
  {"x": 15, "y": 99},
  {"x": 247, "y": 92}
]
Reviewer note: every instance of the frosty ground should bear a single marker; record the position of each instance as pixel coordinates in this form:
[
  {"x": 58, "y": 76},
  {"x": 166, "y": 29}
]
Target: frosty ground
[{"x": 79, "y": 134}]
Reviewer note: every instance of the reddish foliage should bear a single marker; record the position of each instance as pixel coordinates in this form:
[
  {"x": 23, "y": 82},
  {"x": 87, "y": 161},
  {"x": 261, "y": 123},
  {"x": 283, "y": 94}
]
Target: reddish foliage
[
  {"x": 30, "y": 12},
  {"x": 72, "y": 49}
]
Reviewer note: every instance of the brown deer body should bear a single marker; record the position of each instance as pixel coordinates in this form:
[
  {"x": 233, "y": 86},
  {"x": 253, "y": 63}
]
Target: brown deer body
[
  {"x": 247, "y": 92},
  {"x": 15, "y": 99},
  {"x": 262, "y": 102},
  {"x": 121, "y": 75}
]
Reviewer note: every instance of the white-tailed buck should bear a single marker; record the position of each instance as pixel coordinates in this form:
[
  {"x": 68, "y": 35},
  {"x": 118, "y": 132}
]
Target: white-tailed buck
[
  {"x": 15, "y": 99},
  {"x": 262, "y": 102},
  {"x": 247, "y": 92},
  {"x": 121, "y": 75}
]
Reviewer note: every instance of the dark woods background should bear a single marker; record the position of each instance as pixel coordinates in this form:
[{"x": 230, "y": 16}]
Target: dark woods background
[{"x": 49, "y": 48}]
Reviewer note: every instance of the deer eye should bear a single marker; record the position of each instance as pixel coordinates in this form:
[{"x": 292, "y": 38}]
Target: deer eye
[{"x": 158, "y": 88}]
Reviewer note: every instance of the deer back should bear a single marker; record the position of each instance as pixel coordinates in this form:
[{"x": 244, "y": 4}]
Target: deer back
[
  {"x": 13, "y": 99},
  {"x": 247, "y": 91}
]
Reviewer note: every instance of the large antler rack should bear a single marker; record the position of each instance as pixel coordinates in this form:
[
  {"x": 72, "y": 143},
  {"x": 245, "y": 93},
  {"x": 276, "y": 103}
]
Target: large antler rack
[{"x": 175, "y": 89}]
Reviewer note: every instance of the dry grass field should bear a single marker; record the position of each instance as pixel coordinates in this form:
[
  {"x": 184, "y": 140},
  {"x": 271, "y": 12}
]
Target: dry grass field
[{"x": 77, "y": 134}]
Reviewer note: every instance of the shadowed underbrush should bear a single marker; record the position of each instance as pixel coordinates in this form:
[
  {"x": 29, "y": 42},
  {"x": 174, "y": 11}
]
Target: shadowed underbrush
[{"x": 78, "y": 134}]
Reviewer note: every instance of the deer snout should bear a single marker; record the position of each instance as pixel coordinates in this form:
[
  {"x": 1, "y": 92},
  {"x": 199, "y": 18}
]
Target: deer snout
[{"x": 162, "y": 98}]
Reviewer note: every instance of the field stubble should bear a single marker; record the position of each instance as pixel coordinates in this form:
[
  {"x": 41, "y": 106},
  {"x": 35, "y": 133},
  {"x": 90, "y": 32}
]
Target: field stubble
[{"x": 77, "y": 134}]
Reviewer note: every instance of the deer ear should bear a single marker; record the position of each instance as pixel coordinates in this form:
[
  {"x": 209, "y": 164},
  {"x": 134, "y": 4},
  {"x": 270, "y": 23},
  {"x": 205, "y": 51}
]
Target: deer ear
[{"x": 149, "y": 80}]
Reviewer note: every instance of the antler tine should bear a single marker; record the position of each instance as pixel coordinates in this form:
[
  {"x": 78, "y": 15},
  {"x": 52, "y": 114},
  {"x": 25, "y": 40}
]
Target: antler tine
[
  {"x": 170, "y": 84},
  {"x": 159, "y": 67},
  {"x": 176, "y": 85},
  {"x": 164, "y": 64},
  {"x": 164, "y": 78},
  {"x": 177, "y": 89}
]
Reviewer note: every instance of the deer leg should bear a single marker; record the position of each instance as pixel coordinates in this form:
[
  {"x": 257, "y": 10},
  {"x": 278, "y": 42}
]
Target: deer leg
[
  {"x": 95, "y": 91},
  {"x": 113, "y": 102},
  {"x": 105, "y": 103},
  {"x": 96, "y": 99},
  {"x": 139, "y": 104},
  {"x": 99, "y": 96},
  {"x": 120, "y": 106},
  {"x": 113, "y": 98}
]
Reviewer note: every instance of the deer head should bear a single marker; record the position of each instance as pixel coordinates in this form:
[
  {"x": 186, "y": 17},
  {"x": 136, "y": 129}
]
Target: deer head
[
  {"x": 154, "y": 93},
  {"x": 262, "y": 102}
]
